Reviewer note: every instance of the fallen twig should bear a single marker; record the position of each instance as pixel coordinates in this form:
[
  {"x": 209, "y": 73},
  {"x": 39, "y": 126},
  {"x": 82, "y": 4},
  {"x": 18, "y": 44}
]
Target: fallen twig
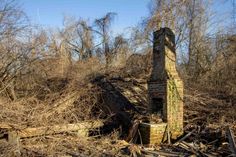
[
  {"x": 230, "y": 136},
  {"x": 163, "y": 153},
  {"x": 185, "y": 137}
]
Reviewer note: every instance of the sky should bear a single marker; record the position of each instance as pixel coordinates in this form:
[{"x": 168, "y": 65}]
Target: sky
[{"x": 50, "y": 13}]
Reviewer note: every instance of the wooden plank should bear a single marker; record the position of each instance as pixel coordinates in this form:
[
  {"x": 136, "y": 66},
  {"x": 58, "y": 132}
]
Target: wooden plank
[
  {"x": 163, "y": 153},
  {"x": 5, "y": 126},
  {"x": 133, "y": 132},
  {"x": 230, "y": 136},
  {"x": 82, "y": 128},
  {"x": 190, "y": 148}
]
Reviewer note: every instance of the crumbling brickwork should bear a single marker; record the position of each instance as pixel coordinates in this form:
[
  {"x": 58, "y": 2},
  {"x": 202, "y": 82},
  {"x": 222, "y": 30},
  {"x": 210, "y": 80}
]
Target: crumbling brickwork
[{"x": 165, "y": 88}]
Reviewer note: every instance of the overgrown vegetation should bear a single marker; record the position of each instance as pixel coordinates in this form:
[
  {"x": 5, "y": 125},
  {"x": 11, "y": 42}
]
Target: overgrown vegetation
[{"x": 49, "y": 77}]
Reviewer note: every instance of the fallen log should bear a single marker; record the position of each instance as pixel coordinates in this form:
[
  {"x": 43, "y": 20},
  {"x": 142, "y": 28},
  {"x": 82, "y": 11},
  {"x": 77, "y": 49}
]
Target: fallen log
[{"x": 82, "y": 128}]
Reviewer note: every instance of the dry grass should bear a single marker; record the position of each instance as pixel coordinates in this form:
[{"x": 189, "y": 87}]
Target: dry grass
[
  {"x": 204, "y": 110},
  {"x": 73, "y": 98},
  {"x": 55, "y": 101},
  {"x": 66, "y": 107}
]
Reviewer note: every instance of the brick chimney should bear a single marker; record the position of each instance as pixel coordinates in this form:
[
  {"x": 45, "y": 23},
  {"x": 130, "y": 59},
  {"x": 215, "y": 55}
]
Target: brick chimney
[{"x": 165, "y": 88}]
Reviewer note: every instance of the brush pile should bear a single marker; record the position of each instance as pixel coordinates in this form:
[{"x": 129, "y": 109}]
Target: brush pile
[{"x": 91, "y": 115}]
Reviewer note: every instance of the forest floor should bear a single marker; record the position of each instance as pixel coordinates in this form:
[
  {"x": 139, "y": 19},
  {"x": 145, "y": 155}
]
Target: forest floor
[{"x": 116, "y": 98}]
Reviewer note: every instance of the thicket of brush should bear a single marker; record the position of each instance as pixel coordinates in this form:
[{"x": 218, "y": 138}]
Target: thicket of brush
[{"x": 41, "y": 69}]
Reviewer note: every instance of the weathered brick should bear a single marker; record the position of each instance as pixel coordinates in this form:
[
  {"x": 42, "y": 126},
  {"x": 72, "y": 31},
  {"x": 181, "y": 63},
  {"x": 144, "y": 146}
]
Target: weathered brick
[{"x": 165, "y": 85}]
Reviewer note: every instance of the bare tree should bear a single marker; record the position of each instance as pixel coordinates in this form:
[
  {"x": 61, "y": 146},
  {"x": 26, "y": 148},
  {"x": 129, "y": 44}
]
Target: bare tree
[
  {"x": 119, "y": 50},
  {"x": 12, "y": 19},
  {"x": 165, "y": 13},
  {"x": 190, "y": 22},
  {"x": 78, "y": 35},
  {"x": 103, "y": 24},
  {"x": 13, "y": 53}
]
